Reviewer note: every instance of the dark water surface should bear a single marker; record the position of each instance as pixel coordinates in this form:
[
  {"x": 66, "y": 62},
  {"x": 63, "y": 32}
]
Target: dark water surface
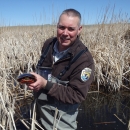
[{"x": 103, "y": 112}]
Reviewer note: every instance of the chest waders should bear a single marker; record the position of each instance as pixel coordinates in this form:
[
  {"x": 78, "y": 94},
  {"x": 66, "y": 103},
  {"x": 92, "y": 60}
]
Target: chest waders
[{"x": 54, "y": 114}]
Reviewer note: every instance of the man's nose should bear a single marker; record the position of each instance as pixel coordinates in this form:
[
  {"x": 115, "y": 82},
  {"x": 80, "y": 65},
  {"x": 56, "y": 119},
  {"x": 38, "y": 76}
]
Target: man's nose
[{"x": 65, "y": 31}]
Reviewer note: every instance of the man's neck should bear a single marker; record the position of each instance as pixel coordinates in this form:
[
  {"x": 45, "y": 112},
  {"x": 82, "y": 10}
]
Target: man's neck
[{"x": 62, "y": 48}]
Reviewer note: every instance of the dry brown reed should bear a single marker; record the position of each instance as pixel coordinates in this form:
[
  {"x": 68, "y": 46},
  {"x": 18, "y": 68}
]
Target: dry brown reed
[
  {"x": 111, "y": 51},
  {"x": 21, "y": 48}
]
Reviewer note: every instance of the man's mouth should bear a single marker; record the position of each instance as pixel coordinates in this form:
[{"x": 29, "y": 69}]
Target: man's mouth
[{"x": 65, "y": 39}]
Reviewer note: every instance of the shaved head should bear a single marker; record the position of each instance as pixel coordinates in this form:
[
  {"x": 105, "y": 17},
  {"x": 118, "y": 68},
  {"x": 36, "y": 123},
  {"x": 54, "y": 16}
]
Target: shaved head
[{"x": 72, "y": 13}]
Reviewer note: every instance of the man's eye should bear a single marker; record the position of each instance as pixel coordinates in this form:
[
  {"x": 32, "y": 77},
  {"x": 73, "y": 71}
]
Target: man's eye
[
  {"x": 71, "y": 29},
  {"x": 61, "y": 27}
]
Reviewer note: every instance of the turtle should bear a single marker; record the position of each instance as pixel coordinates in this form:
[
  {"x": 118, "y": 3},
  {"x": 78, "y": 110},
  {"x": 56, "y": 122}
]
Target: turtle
[{"x": 26, "y": 78}]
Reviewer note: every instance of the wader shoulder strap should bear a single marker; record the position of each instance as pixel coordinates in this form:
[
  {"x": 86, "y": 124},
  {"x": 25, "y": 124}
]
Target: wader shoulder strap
[
  {"x": 70, "y": 63},
  {"x": 44, "y": 54}
]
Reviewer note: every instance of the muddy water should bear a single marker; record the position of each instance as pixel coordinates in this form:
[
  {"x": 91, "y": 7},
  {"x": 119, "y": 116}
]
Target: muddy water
[{"x": 105, "y": 112}]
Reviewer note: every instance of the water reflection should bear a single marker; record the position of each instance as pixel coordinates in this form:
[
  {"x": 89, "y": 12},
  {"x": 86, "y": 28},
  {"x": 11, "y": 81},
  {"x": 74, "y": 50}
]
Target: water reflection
[
  {"x": 105, "y": 112},
  {"x": 100, "y": 111}
]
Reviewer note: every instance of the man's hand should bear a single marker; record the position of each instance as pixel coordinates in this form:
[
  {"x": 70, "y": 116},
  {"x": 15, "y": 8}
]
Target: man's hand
[{"x": 39, "y": 84}]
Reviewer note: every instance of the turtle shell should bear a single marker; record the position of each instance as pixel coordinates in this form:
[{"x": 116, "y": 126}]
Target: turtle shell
[{"x": 26, "y": 78}]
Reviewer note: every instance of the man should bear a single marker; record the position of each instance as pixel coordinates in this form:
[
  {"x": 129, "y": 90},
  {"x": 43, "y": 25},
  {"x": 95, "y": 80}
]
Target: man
[{"x": 72, "y": 68}]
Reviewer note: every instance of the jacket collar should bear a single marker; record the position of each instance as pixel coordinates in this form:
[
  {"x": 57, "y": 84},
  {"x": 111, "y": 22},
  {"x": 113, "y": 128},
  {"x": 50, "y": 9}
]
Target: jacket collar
[{"x": 74, "y": 45}]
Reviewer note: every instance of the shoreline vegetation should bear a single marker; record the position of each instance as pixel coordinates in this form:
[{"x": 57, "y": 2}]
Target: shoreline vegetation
[{"x": 21, "y": 49}]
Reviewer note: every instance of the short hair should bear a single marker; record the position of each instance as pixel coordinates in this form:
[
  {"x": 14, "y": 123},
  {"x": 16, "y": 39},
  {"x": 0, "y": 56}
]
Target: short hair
[{"x": 73, "y": 13}]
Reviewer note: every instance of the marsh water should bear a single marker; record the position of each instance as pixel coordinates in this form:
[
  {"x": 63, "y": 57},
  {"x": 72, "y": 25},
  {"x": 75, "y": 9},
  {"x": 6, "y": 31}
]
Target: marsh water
[{"x": 101, "y": 111}]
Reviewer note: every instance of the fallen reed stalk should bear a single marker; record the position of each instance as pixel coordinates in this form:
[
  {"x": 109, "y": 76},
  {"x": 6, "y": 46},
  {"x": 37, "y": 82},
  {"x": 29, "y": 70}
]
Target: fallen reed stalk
[
  {"x": 105, "y": 122},
  {"x": 119, "y": 119}
]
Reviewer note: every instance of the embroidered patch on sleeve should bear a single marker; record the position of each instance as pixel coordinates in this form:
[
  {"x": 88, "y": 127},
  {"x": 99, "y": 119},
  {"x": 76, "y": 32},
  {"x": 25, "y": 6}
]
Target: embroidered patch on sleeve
[{"x": 85, "y": 74}]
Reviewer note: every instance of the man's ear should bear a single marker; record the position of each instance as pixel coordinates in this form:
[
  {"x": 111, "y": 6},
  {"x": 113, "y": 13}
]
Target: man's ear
[{"x": 80, "y": 28}]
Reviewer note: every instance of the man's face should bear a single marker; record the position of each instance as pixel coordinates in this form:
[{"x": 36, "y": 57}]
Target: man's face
[{"x": 67, "y": 30}]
